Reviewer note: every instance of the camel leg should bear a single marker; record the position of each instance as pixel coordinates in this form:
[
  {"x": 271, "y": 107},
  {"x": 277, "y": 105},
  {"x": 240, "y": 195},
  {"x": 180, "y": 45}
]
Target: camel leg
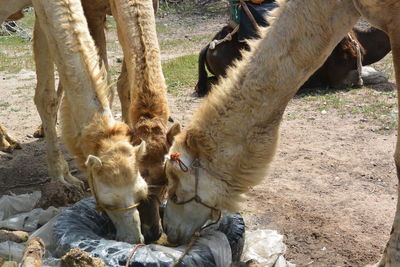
[
  {"x": 46, "y": 101},
  {"x": 7, "y": 142},
  {"x": 39, "y": 132},
  {"x": 123, "y": 92},
  {"x": 391, "y": 255}
]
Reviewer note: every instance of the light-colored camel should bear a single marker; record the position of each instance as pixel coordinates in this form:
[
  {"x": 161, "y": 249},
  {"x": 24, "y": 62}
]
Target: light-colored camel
[
  {"x": 95, "y": 12},
  {"x": 232, "y": 137},
  {"x": 149, "y": 111},
  {"x": 100, "y": 144}
]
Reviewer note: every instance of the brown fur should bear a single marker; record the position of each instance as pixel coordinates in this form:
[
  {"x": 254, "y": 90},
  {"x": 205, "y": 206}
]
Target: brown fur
[{"x": 148, "y": 109}]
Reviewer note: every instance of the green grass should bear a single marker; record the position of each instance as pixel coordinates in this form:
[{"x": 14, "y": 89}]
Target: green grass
[
  {"x": 28, "y": 20},
  {"x": 5, "y": 105},
  {"x": 377, "y": 107},
  {"x": 16, "y": 52},
  {"x": 181, "y": 72}
]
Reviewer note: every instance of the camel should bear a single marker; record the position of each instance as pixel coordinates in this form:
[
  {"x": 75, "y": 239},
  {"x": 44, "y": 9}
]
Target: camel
[
  {"x": 232, "y": 137},
  {"x": 148, "y": 114},
  {"x": 374, "y": 45},
  {"x": 100, "y": 144},
  {"x": 95, "y": 14}
]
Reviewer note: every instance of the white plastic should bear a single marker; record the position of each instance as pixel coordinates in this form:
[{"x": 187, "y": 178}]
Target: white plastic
[
  {"x": 46, "y": 234},
  {"x": 266, "y": 247},
  {"x": 29, "y": 221},
  {"x": 11, "y": 205},
  {"x": 12, "y": 251}
]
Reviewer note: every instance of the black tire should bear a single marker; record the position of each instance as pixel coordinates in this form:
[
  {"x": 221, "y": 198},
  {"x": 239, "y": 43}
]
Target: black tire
[{"x": 92, "y": 231}]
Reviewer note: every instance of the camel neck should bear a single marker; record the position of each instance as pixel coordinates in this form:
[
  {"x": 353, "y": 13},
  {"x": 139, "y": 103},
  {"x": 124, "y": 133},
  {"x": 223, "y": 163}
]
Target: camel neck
[
  {"x": 83, "y": 80},
  {"x": 237, "y": 125},
  {"x": 142, "y": 57}
]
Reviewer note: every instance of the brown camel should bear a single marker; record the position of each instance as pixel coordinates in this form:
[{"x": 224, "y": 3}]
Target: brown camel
[
  {"x": 232, "y": 137},
  {"x": 149, "y": 111}
]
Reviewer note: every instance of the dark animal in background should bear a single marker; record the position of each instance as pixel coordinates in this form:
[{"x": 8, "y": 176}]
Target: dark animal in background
[{"x": 373, "y": 43}]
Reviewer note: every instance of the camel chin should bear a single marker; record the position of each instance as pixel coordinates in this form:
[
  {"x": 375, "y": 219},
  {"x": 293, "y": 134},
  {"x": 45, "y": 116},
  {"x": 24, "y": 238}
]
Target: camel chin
[{"x": 182, "y": 221}]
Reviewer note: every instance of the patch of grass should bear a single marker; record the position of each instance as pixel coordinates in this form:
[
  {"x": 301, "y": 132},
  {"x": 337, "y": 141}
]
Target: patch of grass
[
  {"x": 382, "y": 113},
  {"x": 180, "y": 72},
  {"x": 378, "y": 107},
  {"x": 110, "y": 23},
  {"x": 5, "y": 105},
  {"x": 163, "y": 28},
  {"x": 292, "y": 116},
  {"x": 28, "y": 20},
  {"x": 13, "y": 61},
  {"x": 327, "y": 101},
  {"x": 16, "y": 52}
]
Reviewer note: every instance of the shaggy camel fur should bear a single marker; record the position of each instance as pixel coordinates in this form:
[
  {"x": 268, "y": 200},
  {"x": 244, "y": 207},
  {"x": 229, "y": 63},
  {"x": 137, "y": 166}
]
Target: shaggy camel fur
[
  {"x": 100, "y": 144},
  {"x": 149, "y": 111},
  {"x": 233, "y": 135}
]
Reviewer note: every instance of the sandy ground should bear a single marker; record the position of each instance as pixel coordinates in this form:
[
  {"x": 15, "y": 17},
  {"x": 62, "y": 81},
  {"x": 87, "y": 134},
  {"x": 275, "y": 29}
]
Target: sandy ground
[{"x": 331, "y": 189}]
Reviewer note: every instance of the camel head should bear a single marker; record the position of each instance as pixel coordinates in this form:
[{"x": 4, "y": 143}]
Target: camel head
[
  {"x": 194, "y": 193},
  {"x": 117, "y": 185},
  {"x": 158, "y": 141}
]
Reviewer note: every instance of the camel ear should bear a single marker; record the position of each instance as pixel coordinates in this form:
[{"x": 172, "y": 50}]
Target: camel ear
[
  {"x": 93, "y": 162},
  {"x": 174, "y": 130},
  {"x": 141, "y": 150}
]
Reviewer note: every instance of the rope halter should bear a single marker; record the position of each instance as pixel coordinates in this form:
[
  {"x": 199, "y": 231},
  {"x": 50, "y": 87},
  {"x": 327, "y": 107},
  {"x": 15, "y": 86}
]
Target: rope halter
[
  {"x": 100, "y": 207},
  {"x": 195, "y": 165}
]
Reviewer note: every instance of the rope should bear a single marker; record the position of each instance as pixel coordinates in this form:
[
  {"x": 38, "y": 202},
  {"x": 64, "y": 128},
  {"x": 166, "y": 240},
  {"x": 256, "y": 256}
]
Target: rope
[
  {"x": 175, "y": 157},
  {"x": 359, "y": 57},
  {"x": 188, "y": 248},
  {"x": 248, "y": 13},
  {"x": 228, "y": 37},
  {"x": 133, "y": 252}
]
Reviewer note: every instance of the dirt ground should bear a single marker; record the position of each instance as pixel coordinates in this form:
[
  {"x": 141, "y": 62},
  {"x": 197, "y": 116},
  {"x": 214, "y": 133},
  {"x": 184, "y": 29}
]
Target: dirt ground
[{"x": 331, "y": 189}]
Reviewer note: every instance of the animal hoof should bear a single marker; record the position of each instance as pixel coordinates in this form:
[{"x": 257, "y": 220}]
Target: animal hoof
[{"x": 39, "y": 133}]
